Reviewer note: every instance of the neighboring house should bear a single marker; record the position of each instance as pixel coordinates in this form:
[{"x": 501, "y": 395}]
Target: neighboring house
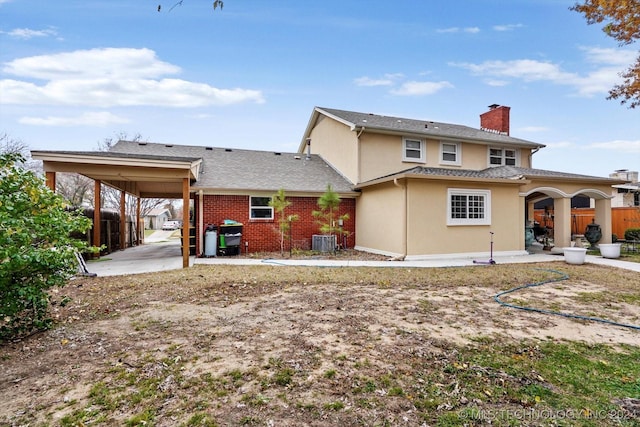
[
  {"x": 412, "y": 188},
  {"x": 627, "y": 194},
  {"x": 155, "y": 218}
]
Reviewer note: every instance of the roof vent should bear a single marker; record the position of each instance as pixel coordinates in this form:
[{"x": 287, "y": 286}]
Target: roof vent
[
  {"x": 296, "y": 157},
  {"x": 277, "y": 154},
  {"x": 168, "y": 146},
  {"x": 142, "y": 143},
  {"x": 228, "y": 150},
  {"x": 209, "y": 148},
  {"x": 426, "y": 126}
]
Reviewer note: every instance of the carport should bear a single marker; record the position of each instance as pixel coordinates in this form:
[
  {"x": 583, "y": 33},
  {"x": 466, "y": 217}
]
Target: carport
[{"x": 142, "y": 176}]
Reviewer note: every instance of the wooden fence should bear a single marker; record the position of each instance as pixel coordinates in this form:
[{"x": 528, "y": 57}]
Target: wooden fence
[{"x": 621, "y": 219}]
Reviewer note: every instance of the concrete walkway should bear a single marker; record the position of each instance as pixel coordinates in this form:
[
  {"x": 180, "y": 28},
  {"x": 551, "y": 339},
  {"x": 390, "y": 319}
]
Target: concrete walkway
[{"x": 165, "y": 254}]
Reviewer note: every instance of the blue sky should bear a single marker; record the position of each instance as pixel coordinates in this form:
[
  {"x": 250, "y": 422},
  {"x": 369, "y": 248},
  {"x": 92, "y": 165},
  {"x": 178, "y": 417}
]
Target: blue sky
[{"x": 73, "y": 73}]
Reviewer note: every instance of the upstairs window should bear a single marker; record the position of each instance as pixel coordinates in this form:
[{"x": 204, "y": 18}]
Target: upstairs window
[
  {"x": 259, "y": 208},
  {"x": 413, "y": 150},
  {"x": 468, "y": 207},
  {"x": 503, "y": 157},
  {"x": 450, "y": 153}
]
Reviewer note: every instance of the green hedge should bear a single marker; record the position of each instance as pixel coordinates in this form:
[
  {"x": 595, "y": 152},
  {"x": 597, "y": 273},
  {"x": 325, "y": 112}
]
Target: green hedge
[{"x": 632, "y": 234}]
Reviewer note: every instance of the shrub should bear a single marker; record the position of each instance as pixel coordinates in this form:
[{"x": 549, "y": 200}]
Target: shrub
[
  {"x": 37, "y": 251},
  {"x": 632, "y": 234}
]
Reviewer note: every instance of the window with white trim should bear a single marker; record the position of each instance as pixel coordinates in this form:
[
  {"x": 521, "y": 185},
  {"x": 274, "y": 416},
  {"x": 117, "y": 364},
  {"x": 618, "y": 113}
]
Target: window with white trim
[
  {"x": 259, "y": 207},
  {"x": 450, "y": 153},
  {"x": 468, "y": 207},
  {"x": 503, "y": 156},
  {"x": 413, "y": 150}
]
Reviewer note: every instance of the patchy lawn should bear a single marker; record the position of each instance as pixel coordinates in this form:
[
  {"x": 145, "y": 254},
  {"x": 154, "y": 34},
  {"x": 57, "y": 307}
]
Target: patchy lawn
[{"x": 289, "y": 346}]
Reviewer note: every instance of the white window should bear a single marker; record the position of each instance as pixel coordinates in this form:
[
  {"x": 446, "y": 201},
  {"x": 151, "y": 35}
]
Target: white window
[
  {"x": 259, "y": 208},
  {"x": 468, "y": 207},
  {"x": 503, "y": 157},
  {"x": 413, "y": 150},
  {"x": 450, "y": 153}
]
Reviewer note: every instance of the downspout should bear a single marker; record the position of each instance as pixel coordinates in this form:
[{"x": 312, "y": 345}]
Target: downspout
[
  {"x": 534, "y": 151},
  {"x": 402, "y": 256}
]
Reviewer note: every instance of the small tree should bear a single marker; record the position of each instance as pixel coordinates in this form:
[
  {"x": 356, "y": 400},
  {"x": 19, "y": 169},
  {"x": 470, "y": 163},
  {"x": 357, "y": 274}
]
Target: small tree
[
  {"x": 37, "y": 251},
  {"x": 326, "y": 216},
  {"x": 279, "y": 203}
]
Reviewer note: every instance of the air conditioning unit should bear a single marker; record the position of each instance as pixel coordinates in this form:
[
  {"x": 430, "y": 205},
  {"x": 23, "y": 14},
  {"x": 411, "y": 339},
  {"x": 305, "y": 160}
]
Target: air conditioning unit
[{"x": 323, "y": 243}]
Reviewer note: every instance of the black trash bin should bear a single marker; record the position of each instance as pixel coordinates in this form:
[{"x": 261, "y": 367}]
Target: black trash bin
[{"x": 230, "y": 239}]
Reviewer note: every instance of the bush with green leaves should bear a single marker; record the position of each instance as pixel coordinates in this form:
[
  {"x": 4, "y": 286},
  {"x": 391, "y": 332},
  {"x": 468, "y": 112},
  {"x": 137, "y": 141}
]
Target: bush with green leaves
[
  {"x": 327, "y": 216},
  {"x": 37, "y": 250},
  {"x": 632, "y": 234}
]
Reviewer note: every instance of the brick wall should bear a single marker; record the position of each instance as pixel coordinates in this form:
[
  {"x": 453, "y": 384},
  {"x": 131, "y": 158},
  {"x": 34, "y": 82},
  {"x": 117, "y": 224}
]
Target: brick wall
[{"x": 263, "y": 235}]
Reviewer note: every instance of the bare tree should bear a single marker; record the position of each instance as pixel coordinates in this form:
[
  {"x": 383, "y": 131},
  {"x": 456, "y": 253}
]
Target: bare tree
[
  {"x": 216, "y": 4},
  {"x": 10, "y": 145}
]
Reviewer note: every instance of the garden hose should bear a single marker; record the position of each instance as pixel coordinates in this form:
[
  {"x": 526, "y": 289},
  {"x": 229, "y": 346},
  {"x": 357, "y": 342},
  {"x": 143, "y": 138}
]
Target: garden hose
[{"x": 561, "y": 277}]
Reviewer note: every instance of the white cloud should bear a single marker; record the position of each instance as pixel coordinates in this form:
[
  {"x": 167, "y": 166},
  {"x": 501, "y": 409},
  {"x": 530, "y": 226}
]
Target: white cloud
[
  {"x": 386, "y": 80},
  {"x": 507, "y": 27},
  {"x": 107, "y": 63},
  {"x": 471, "y": 30},
  {"x": 496, "y": 83},
  {"x": 620, "y": 146},
  {"x": 609, "y": 56},
  {"x": 27, "y": 33},
  {"x": 413, "y": 88},
  {"x": 86, "y": 119},
  {"x": 606, "y": 65},
  {"x": 110, "y": 77},
  {"x": 525, "y": 69}
]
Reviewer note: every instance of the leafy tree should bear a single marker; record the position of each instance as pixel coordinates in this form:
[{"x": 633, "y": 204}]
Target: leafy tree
[
  {"x": 327, "y": 216},
  {"x": 622, "y": 22},
  {"x": 279, "y": 203},
  {"x": 37, "y": 251}
]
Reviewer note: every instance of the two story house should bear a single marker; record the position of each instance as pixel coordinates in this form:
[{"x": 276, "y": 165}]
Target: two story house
[
  {"x": 430, "y": 188},
  {"x": 412, "y": 188}
]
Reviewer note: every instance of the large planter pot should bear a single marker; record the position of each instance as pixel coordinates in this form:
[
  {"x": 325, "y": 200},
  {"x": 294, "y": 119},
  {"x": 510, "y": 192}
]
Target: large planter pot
[
  {"x": 593, "y": 233},
  {"x": 610, "y": 250},
  {"x": 574, "y": 255}
]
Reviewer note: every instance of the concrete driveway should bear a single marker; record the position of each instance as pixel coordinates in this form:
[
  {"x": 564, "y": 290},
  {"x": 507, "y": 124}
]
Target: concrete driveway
[{"x": 160, "y": 252}]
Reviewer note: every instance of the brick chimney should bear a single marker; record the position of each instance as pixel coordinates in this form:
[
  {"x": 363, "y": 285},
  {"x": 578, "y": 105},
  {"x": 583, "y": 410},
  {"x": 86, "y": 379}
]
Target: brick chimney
[{"x": 496, "y": 119}]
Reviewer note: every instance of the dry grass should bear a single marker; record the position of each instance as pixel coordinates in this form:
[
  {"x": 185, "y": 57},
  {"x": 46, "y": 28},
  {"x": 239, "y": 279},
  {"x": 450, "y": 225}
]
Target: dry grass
[{"x": 272, "y": 345}]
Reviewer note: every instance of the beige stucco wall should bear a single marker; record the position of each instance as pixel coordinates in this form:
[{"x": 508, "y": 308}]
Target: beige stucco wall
[
  {"x": 428, "y": 233},
  {"x": 381, "y": 155},
  {"x": 337, "y": 144},
  {"x": 380, "y": 220}
]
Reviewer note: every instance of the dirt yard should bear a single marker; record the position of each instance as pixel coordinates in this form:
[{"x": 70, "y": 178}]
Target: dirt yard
[{"x": 289, "y": 346}]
